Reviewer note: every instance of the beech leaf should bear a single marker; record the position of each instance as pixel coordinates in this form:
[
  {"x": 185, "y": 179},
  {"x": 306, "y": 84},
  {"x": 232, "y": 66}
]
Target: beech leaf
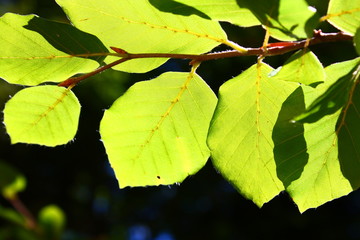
[
  {"x": 240, "y": 136},
  {"x": 136, "y": 26},
  {"x": 286, "y": 20},
  {"x": 45, "y": 115},
  {"x": 227, "y": 11},
  {"x": 34, "y": 50},
  {"x": 155, "y": 134},
  {"x": 344, "y": 15},
  {"x": 302, "y": 67}
]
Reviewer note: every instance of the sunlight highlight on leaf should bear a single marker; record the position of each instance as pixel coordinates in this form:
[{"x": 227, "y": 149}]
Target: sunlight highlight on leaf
[
  {"x": 344, "y": 15},
  {"x": 138, "y": 27},
  {"x": 45, "y": 115},
  {"x": 336, "y": 95},
  {"x": 28, "y": 58},
  {"x": 310, "y": 159},
  {"x": 155, "y": 134},
  {"x": 286, "y": 20},
  {"x": 228, "y": 11},
  {"x": 302, "y": 67},
  {"x": 240, "y": 137}
]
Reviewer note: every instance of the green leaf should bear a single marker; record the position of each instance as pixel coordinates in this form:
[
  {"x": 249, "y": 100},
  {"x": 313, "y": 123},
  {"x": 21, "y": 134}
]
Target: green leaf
[
  {"x": 156, "y": 132},
  {"x": 45, "y": 115},
  {"x": 344, "y": 15},
  {"x": 34, "y": 50},
  {"x": 313, "y": 175},
  {"x": 11, "y": 181},
  {"x": 12, "y": 216},
  {"x": 336, "y": 95},
  {"x": 228, "y": 11},
  {"x": 52, "y": 220},
  {"x": 302, "y": 67},
  {"x": 138, "y": 27},
  {"x": 286, "y": 20},
  {"x": 357, "y": 41},
  {"x": 318, "y": 162},
  {"x": 240, "y": 136}
]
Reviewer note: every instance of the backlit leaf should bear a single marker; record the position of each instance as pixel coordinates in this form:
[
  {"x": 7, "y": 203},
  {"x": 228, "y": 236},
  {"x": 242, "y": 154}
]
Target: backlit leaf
[
  {"x": 138, "y": 27},
  {"x": 344, "y": 15},
  {"x": 240, "y": 137},
  {"x": 286, "y": 20},
  {"x": 228, "y": 10},
  {"x": 335, "y": 97},
  {"x": 45, "y": 115},
  {"x": 156, "y": 132},
  {"x": 11, "y": 181},
  {"x": 34, "y": 50},
  {"x": 302, "y": 67},
  {"x": 317, "y": 162}
]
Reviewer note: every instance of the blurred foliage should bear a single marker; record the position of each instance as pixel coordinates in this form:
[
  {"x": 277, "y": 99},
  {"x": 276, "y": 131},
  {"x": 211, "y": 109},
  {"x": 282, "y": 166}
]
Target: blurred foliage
[{"x": 78, "y": 179}]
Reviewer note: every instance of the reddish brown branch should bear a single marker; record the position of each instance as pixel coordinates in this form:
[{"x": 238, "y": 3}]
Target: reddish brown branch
[
  {"x": 21, "y": 208},
  {"x": 270, "y": 50}
]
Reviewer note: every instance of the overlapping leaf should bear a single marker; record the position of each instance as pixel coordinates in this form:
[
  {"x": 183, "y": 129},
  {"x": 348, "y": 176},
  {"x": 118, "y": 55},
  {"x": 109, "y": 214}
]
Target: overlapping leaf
[
  {"x": 45, "y": 115},
  {"x": 240, "y": 137},
  {"x": 303, "y": 67},
  {"x": 156, "y": 132},
  {"x": 286, "y": 20},
  {"x": 228, "y": 11},
  {"x": 336, "y": 95},
  {"x": 344, "y": 14},
  {"x": 318, "y": 162},
  {"x": 34, "y": 50},
  {"x": 138, "y": 27}
]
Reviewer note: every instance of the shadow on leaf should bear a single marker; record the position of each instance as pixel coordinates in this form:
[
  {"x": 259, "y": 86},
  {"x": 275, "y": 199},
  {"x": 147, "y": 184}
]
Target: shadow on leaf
[
  {"x": 290, "y": 150},
  {"x": 348, "y": 130},
  {"x": 177, "y": 8},
  {"x": 329, "y": 102},
  {"x": 67, "y": 38}
]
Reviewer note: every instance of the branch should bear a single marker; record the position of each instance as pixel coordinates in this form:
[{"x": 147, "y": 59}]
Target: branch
[
  {"x": 270, "y": 49},
  {"x": 22, "y": 209}
]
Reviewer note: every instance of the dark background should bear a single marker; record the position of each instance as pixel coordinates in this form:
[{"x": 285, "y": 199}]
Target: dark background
[{"x": 77, "y": 177}]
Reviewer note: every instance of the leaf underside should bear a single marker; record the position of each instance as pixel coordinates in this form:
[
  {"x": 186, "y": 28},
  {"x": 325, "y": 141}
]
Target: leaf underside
[
  {"x": 344, "y": 15},
  {"x": 32, "y": 53},
  {"x": 156, "y": 132},
  {"x": 44, "y": 115},
  {"x": 138, "y": 27},
  {"x": 245, "y": 116}
]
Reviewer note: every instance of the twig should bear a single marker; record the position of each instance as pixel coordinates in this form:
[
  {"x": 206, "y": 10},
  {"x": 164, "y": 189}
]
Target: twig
[
  {"x": 22, "y": 209},
  {"x": 270, "y": 49}
]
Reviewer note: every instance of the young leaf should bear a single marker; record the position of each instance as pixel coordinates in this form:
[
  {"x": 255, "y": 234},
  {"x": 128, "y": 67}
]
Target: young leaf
[
  {"x": 302, "y": 67},
  {"x": 344, "y": 15},
  {"x": 52, "y": 220},
  {"x": 11, "y": 181},
  {"x": 335, "y": 97},
  {"x": 138, "y": 27},
  {"x": 34, "y": 50},
  {"x": 45, "y": 115},
  {"x": 156, "y": 132},
  {"x": 286, "y": 20},
  {"x": 241, "y": 131},
  {"x": 228, "y": 11}
]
